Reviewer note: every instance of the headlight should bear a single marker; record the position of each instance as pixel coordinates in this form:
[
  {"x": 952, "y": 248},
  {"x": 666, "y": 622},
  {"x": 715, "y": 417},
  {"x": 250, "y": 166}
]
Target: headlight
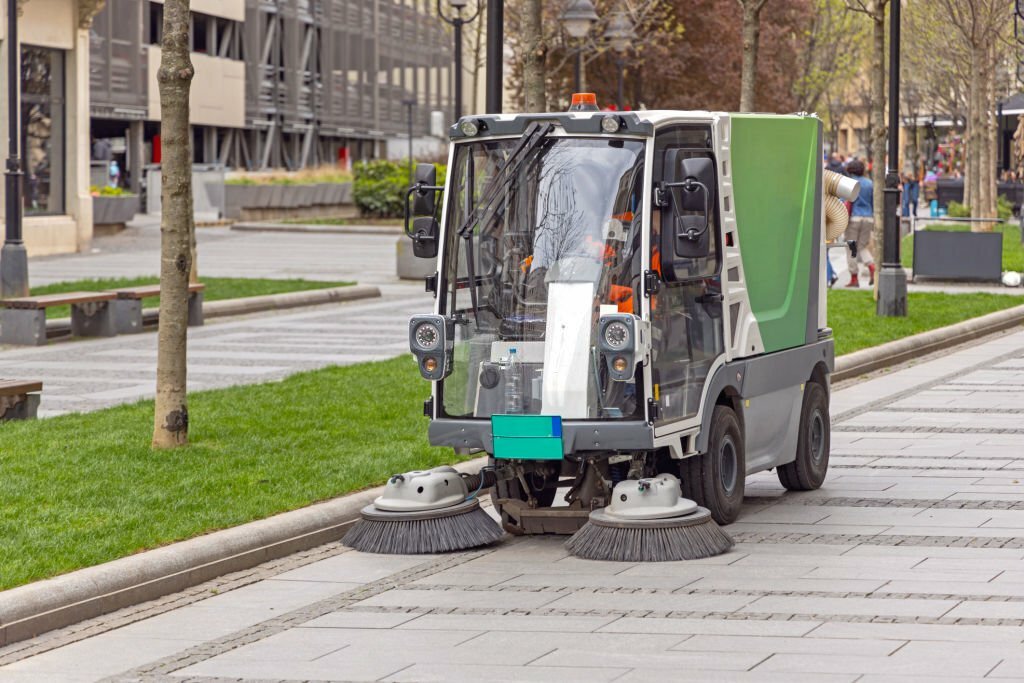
[
  {"x": 616, "y": 335},
  {"x": 427, "y": 336},
  {"x": 610, "y": 124},
  {"x": 469, "y": 128},
  {"x": 431, "y": 341}
]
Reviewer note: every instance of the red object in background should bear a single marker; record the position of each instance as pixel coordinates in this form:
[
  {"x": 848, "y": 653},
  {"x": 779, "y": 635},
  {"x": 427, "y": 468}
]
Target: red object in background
[
  {"x": 343, "y": 158},
  {"x": 156, "y": 149}
]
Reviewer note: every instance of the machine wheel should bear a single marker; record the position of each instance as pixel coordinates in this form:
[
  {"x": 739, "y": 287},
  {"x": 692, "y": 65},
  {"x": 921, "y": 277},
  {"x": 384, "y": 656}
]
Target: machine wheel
[
  {"x": 807, "y": 472},
  {"x": 716, "y": 479},
  {"x": 511, "y": 488}
]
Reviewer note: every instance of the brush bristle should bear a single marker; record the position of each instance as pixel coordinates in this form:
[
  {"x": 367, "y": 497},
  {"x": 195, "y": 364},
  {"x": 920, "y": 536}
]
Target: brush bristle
[
  {"x": 424, "y": 536},
  {"x": 623, "y": 544}
]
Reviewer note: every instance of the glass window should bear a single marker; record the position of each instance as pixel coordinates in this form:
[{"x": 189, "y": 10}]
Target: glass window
[
  {"x": 541, "y": 241},
  {"x": 42, "y": 129},
  {"x": 686, "y": 316}
]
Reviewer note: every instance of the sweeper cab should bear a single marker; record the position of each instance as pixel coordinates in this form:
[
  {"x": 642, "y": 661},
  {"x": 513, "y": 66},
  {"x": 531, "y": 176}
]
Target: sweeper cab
[{"x": 630, "y": 312}]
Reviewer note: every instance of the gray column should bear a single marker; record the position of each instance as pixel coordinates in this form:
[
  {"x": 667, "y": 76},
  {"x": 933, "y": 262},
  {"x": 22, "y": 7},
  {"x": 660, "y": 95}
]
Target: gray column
[{"x": 136, "y": 163}]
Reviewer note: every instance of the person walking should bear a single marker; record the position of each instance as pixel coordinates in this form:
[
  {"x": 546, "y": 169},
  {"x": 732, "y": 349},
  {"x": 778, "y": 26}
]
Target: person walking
[
  {"x": 911, "y": 192},
  {"x": 862, "y": 223}
]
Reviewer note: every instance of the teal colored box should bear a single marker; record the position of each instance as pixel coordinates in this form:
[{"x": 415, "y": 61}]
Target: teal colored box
[{"x": 527, "y": 437}]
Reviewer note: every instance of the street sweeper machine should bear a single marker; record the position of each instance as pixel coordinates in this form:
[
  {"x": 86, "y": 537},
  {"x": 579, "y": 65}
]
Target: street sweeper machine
[{"x": 629, "y": 321}]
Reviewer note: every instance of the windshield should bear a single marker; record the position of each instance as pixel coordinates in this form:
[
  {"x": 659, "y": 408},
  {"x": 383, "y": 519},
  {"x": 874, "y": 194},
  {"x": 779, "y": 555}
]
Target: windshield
[{"x": 543, "y": 237}]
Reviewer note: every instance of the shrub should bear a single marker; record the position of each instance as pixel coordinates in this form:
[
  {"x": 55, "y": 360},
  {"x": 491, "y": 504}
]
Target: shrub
[
  {"x": 380, "y": 187},
  {"x": 307, "y": 176},
  {"x": 1003, "y": 208},
  {"x": 108, "y": 191},
  {"x": 958, "y": 210}
]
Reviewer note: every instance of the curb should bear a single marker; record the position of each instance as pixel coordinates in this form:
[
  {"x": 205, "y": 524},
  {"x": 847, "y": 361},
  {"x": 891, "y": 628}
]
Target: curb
[
  {"x": 29, "y": 610},
  {"x": 253, "y": 304},
  {"x": 320, "y": 229},
  {"x": 884, "y": 355}
]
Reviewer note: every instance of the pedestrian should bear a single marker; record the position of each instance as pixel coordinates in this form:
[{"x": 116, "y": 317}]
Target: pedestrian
[
  {"x": 911, "y": 192},
  {"x": 835, "y": 163},
  {"x": 862, "y": 223}
]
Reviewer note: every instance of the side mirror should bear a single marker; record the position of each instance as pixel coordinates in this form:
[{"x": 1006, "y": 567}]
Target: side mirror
[
  {"x": 424, "y": 203},
  {"x": 687, "y": 195},
  {"x": 420, "y": 222},
  {"x": 424, "y": 236}
]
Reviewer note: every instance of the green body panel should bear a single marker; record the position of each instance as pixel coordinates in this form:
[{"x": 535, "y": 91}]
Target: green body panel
[
  {"x": 527, "y": 437},
  {"x": 776, "y": 168}
]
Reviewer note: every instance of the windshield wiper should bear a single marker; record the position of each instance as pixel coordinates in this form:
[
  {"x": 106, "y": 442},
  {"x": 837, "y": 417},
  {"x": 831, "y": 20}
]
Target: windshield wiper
[{"x": 531, "y": 141}]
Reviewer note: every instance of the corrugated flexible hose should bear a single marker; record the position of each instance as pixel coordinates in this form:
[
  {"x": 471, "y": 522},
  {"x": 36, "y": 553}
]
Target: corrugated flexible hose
[{"x": 837, "y": 188}]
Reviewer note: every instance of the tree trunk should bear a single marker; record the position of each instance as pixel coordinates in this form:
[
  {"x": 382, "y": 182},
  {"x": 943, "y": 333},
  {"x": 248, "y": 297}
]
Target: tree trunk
[
  {"x": 170, "y": 422},
  {"x": 878, "y": 129},
  {"x": 751, "y": 38},
  {"x": 534, "y": 91}
]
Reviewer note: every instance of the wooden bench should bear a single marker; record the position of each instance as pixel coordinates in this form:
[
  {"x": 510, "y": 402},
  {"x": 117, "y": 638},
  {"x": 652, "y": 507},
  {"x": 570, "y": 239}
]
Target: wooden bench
[
  {"x": 19, "y": 400},
  {"x": 23, "y": 320},
  {"x": 128, "y": 306}
]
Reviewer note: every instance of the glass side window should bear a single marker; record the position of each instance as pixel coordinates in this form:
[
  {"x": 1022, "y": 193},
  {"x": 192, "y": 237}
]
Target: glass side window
[
  {"x": 686, "y": 316},
  {"x": 42, "y": 129},
  {"x": 542, "y": 237}
]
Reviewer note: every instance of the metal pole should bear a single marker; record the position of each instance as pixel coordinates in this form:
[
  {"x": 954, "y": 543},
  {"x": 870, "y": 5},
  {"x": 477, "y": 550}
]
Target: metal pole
[
  {"x": 13, "y": 258},
  {"x": 620, "y": 64},
  {"x": 1002, "y": 139},
  {"x": 892, "y": 283},
  {"x": 458, "y": 67},
  {"x": 495, "y": 56},
  {"x": 410, "y": 103}
]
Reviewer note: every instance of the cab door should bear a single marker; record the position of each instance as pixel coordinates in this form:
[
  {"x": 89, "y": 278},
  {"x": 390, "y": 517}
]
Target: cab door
[{"x": 686, "y": 309}]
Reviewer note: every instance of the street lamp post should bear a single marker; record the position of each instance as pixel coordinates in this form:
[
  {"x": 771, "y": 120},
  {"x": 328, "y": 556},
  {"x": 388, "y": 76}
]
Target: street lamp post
[
  {"x": 620, "y": 35},
  {"x": 579, "y": 16},
  {"x": 892, "y": 282},
  {"x": 457, "y": 22},
  {"x": 410, "y": 102},
  {"x": 495, "y": 54},
  {"x": 13, "y": 258}
]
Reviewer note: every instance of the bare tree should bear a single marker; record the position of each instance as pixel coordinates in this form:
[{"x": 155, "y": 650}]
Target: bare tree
[
  {"x": 751, "y": 40},
  {"x": 534, "y": 57},
  {"x": 177, "y": 228},
  {"x": 875, "y": 11},
  {"x": 982, "y": 27},
  {"x": 831, "y": 52}
]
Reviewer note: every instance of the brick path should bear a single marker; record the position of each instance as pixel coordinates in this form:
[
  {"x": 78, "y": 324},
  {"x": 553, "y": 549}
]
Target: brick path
[{"x": 908, "y": 565}]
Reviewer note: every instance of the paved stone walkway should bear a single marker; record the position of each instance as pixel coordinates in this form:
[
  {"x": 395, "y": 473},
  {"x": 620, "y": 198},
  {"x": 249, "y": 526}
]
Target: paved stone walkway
[
  {"x": 85, "y": 375},
  {"x": 908, "y": 565}
]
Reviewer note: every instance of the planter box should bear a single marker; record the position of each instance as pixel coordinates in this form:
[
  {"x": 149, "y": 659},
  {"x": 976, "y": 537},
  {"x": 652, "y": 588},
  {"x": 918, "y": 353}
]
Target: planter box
[
  {"x": 285, "y": 200},
  {"x": 114, "y": 210},
  {"x": 238, "y": 197},
  {"x": 958, "y": 255}
]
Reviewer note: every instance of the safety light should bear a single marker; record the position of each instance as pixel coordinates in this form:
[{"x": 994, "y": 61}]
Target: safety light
[
  {"x": 583, "y": 101},
  {"x": 469, "y": 128},
  {"x": 611, "y": 124},
  {"x": 432, "y": 340},
  {"x": 624, "y": 341}
]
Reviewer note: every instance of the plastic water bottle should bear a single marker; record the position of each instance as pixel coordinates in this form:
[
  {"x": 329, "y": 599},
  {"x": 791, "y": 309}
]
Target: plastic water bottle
[{"x": 513, "y": 384}]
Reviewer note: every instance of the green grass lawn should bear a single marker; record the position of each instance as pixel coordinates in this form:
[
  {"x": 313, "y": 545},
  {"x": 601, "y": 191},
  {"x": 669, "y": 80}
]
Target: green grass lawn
[
  {"x": 78, "y": 490},
  {"x": 217, "y": 288},
  {"x": 384, "y": 222},
  {"x": 1013, "y": 251},
  {"x": 851, "y": 315}
]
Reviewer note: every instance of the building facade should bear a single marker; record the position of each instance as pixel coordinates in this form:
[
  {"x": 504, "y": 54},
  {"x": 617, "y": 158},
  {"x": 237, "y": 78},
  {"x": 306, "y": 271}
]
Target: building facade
[
  {"x": 54, "y": 121},
  {"x": 278, "y": 84}
]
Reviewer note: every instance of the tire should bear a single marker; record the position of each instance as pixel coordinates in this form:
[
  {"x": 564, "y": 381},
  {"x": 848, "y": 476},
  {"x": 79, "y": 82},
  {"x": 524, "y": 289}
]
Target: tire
[
  {"x": 716, "y": 479},
  {"x": 808, "y": 471}
]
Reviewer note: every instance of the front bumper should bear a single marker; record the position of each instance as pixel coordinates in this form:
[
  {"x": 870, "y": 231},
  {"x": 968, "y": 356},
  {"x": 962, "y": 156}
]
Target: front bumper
[{"x": 577, "y": 435}]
